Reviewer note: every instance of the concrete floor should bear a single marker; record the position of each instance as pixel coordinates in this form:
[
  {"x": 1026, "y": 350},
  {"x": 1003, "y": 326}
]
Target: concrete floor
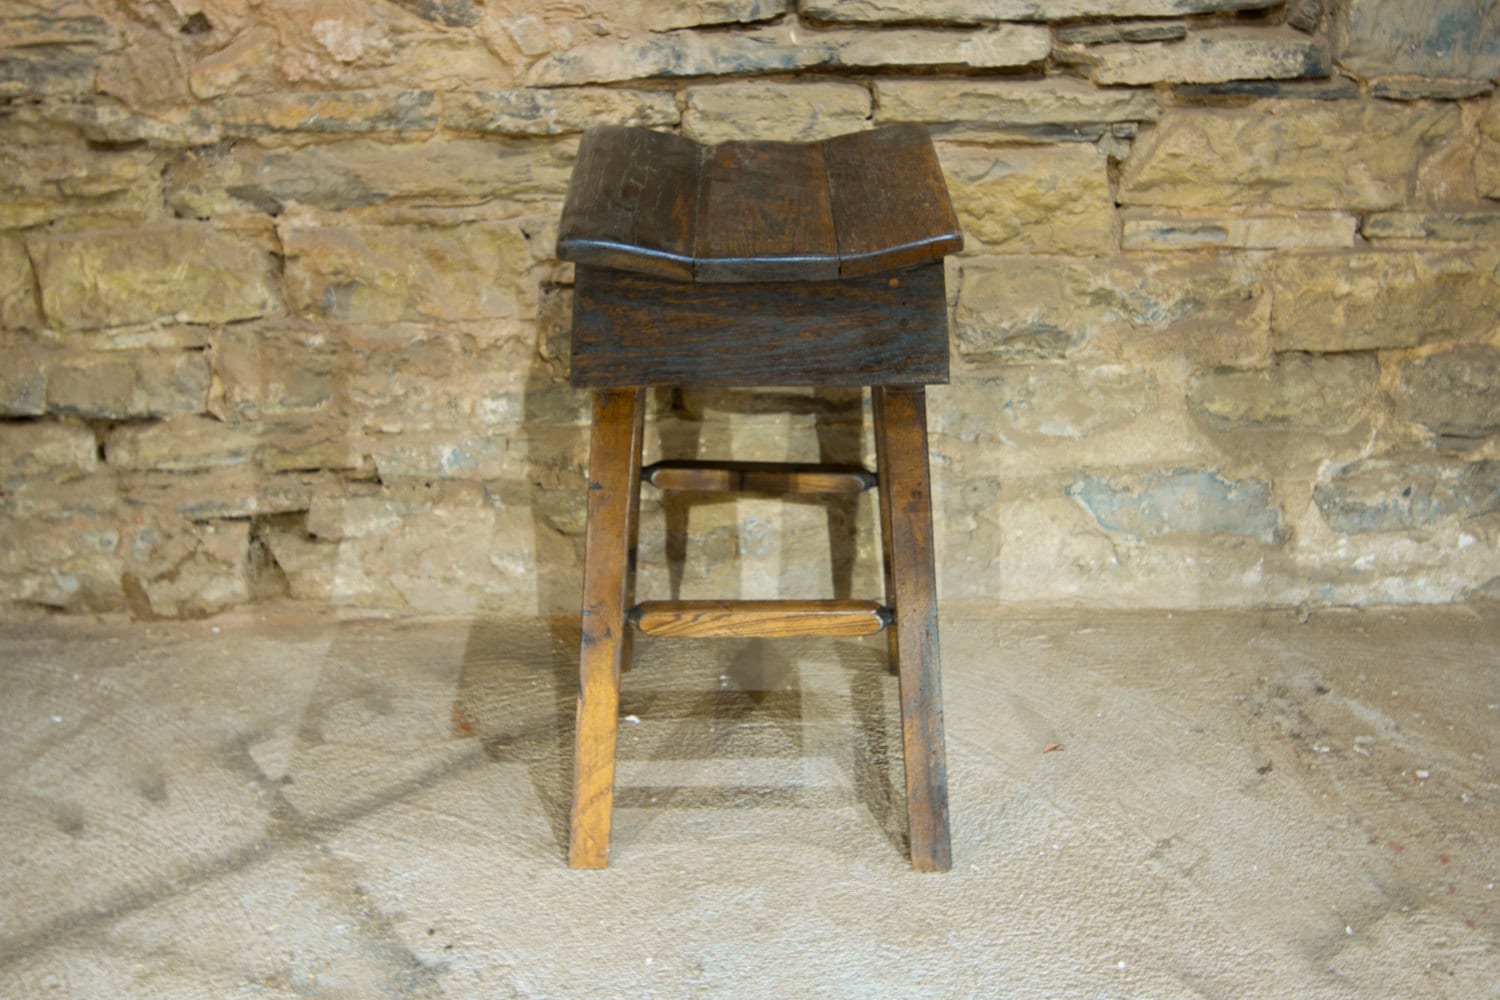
[{"x": 1242, "y": 805}]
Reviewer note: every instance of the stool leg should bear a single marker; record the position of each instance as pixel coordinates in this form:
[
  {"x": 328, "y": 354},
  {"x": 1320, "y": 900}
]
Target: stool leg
[
  {"x": 906, "y": 501},
  {"x": 893, "y": 630},
  {"x": 613, "y": 498}
]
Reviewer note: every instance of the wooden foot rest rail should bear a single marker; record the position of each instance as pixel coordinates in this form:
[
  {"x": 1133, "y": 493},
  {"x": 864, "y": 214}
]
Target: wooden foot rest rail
[
  {"x": 765, "y": 619},
  {"x": 758, "y": 477}
]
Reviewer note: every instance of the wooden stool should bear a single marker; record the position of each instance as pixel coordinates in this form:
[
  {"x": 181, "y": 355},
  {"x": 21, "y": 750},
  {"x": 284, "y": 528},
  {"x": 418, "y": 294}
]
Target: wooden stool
[{"x": 759, "y": 264}]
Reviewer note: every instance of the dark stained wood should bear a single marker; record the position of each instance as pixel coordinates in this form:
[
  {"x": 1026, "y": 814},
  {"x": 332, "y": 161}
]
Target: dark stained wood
[
  {"x": 764, "y": 214},
  {"x": 631, "y": 329},
  {"x": 889, "y": 200},
  {"x": 763, "y": 619},
  {"x": 758, "y": 477},
  {"x": 659, "y": 204},
  {"x": 905, "y": 480},
  {"x": 614, "y": 477},
  {"x": 632, "y": 202},
  {"x": 877, "y": 414}
]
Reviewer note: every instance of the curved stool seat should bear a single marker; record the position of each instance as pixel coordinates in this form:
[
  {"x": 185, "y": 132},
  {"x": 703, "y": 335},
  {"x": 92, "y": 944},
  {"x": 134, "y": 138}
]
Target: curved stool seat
[{"x": 759, "y": 264}]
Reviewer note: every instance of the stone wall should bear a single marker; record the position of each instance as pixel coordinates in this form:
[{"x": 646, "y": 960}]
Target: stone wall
[{"x": 281, "y": 315}]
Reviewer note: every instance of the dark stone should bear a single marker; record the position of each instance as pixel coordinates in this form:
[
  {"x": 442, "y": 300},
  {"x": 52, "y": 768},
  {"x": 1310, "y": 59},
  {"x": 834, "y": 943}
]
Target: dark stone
[
  {"x": 1304, "y": 14},
  {"x": 47, "y": 71},
  {"x": 1337, "y": 89},
  {"x": 448, "y": 13},
  {"x": 1181, "y": 501},
  {"x": 1454, "y": 393},
  {"x": 1450, "y": 39},
  {"x": 1122, "y": 31},
  {"x": 1416, "y": 88},
  {"x": 1389, "y": 495}
]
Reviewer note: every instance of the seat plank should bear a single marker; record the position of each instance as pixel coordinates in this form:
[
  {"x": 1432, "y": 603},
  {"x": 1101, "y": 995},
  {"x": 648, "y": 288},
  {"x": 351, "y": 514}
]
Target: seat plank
[
  {"x": 890, "y": 204},
  {"x": 633, "y": 202},
  {"x": 764, "y": 214},
  {"x": 758, "y": 619}
]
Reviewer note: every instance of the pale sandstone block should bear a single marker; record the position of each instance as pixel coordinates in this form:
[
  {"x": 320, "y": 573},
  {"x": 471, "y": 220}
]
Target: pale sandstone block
[
  {"x": 799, "y": 112},
  {"x": 180, "y": 444},
  {"x": 1294, "y": 154},
  {"x": 1145, "y": 229},
  {"x": 986, "y": 11},
  {"x": 1211, "y": 310},
  {"x": 388, "y": 274},
  {"x": 1212, "y": 56},
  {"x": 18, "y": 306},
  {"x": 1457, "y": 39},
  {"x": 696, "y": 13},
  {"x": 1298, "y": 390},
  {"x": 1356, "y": 302},
  {"x": 355, "y": 174},
  {"x": 185, "y": 272},
  {"x": 1052, "y": 199},
  {"x": 1448, "y": 227},
  {"x": 998, "y": 47},
  {"x": 47, "y": 175},
  {"x": 45, "y": 450},
  {"x": 1052, "y": 101},
  {"x": 552, "y": 112},
  {"x": 125, "y": 385},
  {"x": 396, "y": 111},
  {"x": 1487, "y": 160}
]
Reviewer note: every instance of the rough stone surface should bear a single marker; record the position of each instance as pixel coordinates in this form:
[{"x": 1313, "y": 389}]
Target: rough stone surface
[
  {"x": 178, "y": 271},
  {"x": 666, "y": 17},
  {"x": 1002, "y": 103},
  {"x": 1206, "y": 57},
  {"x": 1487, "y": 160},
  {"x": 986, "y": 11},
  {"x": 1050, "y": 307},
  {"x": 127, "y": 385},
  {"x": 366, "y": 174},
  {"x": 35, "y": 450},
  {"x": 1417, "y": 88},
  {"x": 1298, "y": 390},
  {"x": 1294, "y": 154},
  {"x": 1454, "y": 227},
  {"x": 1358, "y": 302},
  {"x": 359, "y": 111},
  {"x": 779, "y": 49},
  {"x": 1390, "y": 494},
  {"x": 1154, "y": 230},
  {"x": 1037, "y": 403},
  {"x": 552, "y": 112},
  {"x": 18, "y": 307},
  {"x": 386, "y": 274},
  {"x": 1122, "y": 31},
  {"x": 1181, "y": 501},
  {"x": 181, "y": 444},
  {"x": 47, "y": 177},
  {"x": 1052, "y": 199},
  {"x": 1444, "y": 38},
  {"x": 47, "y": 71},
  {"x": 797, "y": 112},
  {"x": 1454, "y": 392}
]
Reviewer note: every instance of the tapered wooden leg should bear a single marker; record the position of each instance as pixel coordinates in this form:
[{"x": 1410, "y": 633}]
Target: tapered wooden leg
[
  {"x": 893, "y": 630},
  {"x": 614, "y": 488},
  {"x": 906, "y": 499}
]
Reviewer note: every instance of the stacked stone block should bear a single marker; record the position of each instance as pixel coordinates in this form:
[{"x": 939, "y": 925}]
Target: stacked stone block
[{"x": 282, "y": 317}]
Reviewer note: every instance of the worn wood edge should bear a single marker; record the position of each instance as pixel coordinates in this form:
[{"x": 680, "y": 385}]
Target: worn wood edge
[
  {"x": 905, "y": 256},
  {"x": 759, "y": 477},
  {"x": 767, "y": 619}
]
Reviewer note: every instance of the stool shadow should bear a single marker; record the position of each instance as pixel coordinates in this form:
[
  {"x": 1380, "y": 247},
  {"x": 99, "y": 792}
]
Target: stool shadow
[
  {"x": 838, "y": 423},
  {"x": 517, "y": 693}
]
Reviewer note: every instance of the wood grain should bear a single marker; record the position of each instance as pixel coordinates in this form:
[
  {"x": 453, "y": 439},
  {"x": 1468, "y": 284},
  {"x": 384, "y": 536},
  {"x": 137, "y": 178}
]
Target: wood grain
[
  {"x": 614, "y": 478},
  {"x": 758, "y": 477},
  {"x": 904, "y": 476},
  {"x": 631, "y": 329},
  {"x": 766, "y": 619},
  {"x": 659, "y": 204},
  {"x": 632, "y": 202},
  {"x": 889, "y": 199},
  {"x": 764, "y": 214}
]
